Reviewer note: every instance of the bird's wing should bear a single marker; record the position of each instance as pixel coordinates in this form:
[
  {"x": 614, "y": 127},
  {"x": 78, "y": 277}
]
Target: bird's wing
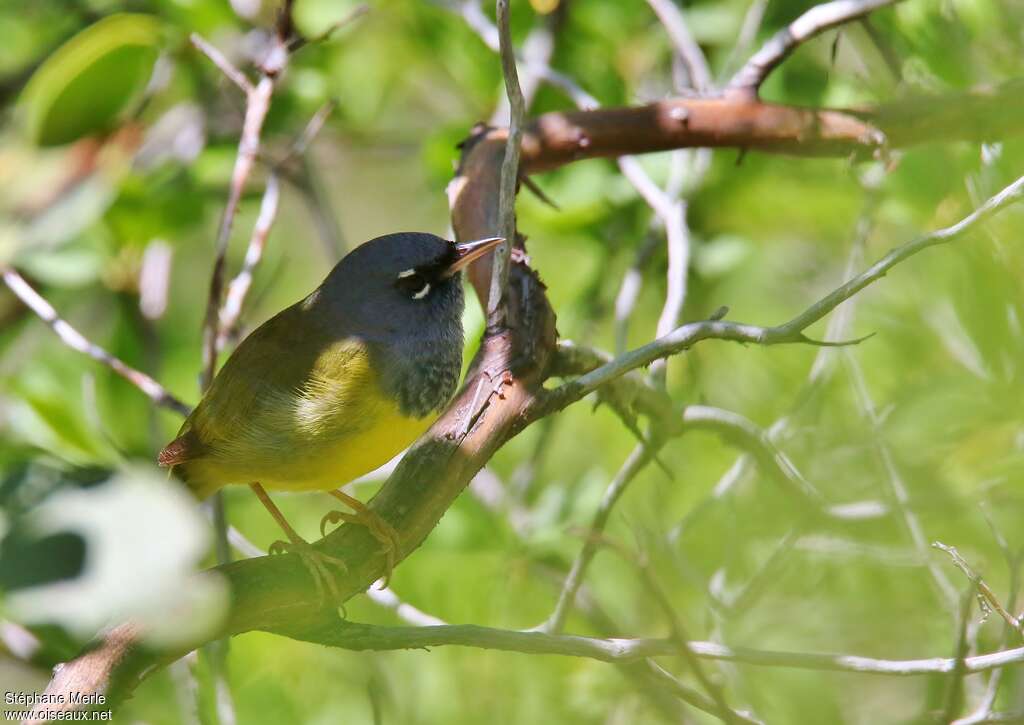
[{"x": 285, "y": 381}]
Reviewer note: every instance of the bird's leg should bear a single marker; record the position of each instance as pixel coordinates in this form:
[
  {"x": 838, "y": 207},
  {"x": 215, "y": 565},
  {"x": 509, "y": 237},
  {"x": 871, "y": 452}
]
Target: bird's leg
[
  {"x": 381, "y": 530},
  {"x": 315, "y": 561}
]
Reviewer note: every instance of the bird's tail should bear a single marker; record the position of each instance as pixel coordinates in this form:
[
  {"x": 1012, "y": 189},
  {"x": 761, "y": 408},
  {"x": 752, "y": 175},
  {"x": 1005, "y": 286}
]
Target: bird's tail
[{"x": 181, "y": 457}]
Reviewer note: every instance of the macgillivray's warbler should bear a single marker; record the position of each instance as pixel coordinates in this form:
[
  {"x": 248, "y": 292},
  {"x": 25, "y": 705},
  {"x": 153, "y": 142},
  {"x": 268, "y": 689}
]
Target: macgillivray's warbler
[{"x": 335, "y": 385}]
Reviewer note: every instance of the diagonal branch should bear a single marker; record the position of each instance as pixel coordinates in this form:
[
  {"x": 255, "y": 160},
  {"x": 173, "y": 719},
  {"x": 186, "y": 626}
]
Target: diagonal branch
[
  {"x": 984, "y": 590},
  {"x": 635, "y": 463},
  {"x": 898, "y": 488},
  {"x": 790, "y": 332},
  {"x": 685, "y": 44},
  {"x": 77, "y": 341},
  {"x": 817, "y": 20},
  {"x": 231, "y": 310}
]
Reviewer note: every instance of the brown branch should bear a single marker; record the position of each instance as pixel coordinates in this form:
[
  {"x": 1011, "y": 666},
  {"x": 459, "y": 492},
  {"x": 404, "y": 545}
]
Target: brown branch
[
  {"x": 557, "y": 138},
  {"x": 77, "y": 341}
]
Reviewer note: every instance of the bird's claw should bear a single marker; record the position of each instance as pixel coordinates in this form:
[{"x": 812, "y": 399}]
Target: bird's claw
[
  {"x": 380, "y": 529},
  {"x": 317, "y": 563}
]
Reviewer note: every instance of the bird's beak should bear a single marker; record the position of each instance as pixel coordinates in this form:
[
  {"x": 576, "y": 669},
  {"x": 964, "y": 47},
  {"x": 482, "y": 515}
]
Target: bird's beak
[{"x": 468, "y": 252}]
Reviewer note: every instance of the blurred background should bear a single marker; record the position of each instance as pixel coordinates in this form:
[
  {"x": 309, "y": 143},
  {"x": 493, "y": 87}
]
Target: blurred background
[{"x": 116, "y": 146}]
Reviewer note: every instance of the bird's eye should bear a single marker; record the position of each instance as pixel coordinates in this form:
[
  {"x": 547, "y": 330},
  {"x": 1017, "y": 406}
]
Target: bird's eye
[{"x": 413, "y": 284}]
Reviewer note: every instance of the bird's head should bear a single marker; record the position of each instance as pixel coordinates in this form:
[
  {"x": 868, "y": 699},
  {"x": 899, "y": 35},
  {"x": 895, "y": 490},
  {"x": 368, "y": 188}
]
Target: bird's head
[{"x": 399, "y": 283}]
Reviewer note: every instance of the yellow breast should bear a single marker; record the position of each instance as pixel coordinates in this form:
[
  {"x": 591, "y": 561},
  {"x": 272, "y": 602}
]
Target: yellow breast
[
  {"x": 337, "y": 424},
  {"x": 352, "y": 455}
]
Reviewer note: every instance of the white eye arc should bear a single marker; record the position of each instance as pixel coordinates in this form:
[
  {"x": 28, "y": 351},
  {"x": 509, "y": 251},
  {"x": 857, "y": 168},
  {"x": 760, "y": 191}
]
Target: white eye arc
[{"x": 412, "y": 283}]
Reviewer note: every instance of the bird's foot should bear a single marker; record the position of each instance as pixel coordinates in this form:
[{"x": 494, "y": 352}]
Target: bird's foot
[
  {"x": 317, "y": 563},
  {"x": 380, "y": 529}
]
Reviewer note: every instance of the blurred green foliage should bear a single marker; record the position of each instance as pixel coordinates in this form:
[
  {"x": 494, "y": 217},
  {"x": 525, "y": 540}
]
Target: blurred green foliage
[{"x": 136, "y": 162}]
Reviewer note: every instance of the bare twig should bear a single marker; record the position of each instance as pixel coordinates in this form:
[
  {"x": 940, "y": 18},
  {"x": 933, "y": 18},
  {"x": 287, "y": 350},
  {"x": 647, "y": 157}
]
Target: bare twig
[
  {"x": 758, "y": 444},
  {"x": 387, "y": 598},
  {"x": 231, "y": 310},
  {"x": 689, "y": 695},
  {"x": 679, "y": 632},
  {"x": 677, "y": 238},
  {"x": 684, "y": 43},
  {"x": 898, "y": 488},
  {"x": 312, "y": 128},
  {"x": 748, "y": 32},
  {"x": 671, "y": 212},
  {"x": 983, "y": 588},
  {"x": 256, "y": 108},
  {"x": 629, "y": 291},
  {"x": 296, "y": 43},
  {"x": 534, "y": 58},
  {"x": 889, "y": 56},
  {"x": 76, "y": 341},
  {"x": 813, "y": 22},
  {"x": 983, "y": 712},
  {"x": 741, "y": 431},
  {"x": 370, "y": 637},
  {"x": 220, "y": 60},
  {"x": 837, "y": 329},
  {"x": 636, "y": 461},
  {"x": 954, "y": 690},
  {"x": 496, "y": 312}
]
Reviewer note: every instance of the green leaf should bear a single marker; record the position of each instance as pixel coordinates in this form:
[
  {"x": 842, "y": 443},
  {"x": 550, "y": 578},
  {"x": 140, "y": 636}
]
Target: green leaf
[{"x": 85, "y": 86}]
